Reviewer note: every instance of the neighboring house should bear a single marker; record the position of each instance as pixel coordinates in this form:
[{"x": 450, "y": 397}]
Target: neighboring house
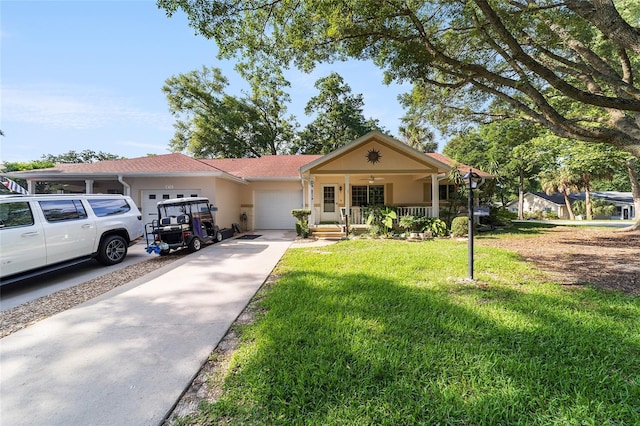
[
  {"x": 622, "y": 200},
  {"x": 543, "y": 202},
  {"x": 259, "y": 193}
]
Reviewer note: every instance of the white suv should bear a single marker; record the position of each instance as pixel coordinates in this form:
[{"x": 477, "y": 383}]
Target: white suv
[{"x": 41, "y": 233}]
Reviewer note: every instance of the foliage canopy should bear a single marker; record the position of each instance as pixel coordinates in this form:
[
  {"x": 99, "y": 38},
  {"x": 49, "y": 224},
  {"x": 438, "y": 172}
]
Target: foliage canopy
[{"x": 531, "y": 59}]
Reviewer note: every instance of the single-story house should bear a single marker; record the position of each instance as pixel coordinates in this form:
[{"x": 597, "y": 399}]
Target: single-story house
[
  {"x": 542, "y": 202},
  {"x": 259, "y": 193},
  {"x": 555, "y": 203}
]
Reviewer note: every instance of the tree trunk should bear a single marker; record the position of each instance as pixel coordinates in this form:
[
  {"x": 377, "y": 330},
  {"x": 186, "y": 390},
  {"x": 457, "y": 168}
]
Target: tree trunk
[
  {"x": 587, "y": 199},
  {"x": 635, "y": 192},
  {"x": 567, "y": 203},
  {"x": 521, "y": 196}
]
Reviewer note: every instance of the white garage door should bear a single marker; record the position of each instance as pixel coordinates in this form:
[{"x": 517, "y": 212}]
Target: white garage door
[
  {"x": 151, "y": 197},
  {"x": 273, "y": 209}
]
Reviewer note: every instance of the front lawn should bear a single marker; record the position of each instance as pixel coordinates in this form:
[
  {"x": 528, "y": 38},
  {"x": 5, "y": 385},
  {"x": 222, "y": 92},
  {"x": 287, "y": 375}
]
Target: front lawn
[{"x": 383, "y": 333}]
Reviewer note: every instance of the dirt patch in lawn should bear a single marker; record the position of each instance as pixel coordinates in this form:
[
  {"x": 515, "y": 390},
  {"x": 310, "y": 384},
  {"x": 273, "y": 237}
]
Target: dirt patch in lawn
[{"x": 605, "y": 258}]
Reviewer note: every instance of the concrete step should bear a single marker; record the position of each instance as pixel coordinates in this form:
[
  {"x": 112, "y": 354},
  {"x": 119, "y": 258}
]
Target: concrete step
[{"x": 327, "y": 232}]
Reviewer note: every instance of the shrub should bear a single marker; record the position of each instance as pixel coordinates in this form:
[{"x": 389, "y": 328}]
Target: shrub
[
  {"x": 302, "y": 228},
  {"x": 301, "y": 214},
  {"x": 410, "y": 223},
  {"x": 302, "y": 225},
  {"x": 380, "y": 219},
  {"x": 436, "y": 227},
  {"x": 503, "y": 216},
  {"x": 533, "y": 215},
  {"x": 599, "y": 208},
  {"x": 460, "y": 226}
]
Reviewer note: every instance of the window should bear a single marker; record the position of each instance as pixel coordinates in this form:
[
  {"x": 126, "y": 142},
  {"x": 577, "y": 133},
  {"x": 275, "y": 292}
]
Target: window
[
  {"x": 15, "y": 214},
  {"x": 109, "y": 207},
  {"x": 376, "y": 195},
  {"x": 372, "y": 195},
  {"x": 442, "y": 192},
  {"x": 447, "y": 192},
  {"x": 59, "y": 210},
  {"x": 359, "y": 196},
  {"x": 152, "y": 196}
]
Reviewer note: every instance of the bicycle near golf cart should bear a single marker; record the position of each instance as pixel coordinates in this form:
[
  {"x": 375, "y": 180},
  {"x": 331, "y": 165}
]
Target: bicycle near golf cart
[{"x": 182, "y": 223}]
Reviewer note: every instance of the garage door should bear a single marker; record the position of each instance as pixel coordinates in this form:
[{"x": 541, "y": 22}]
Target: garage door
[
  {"x": 273, "y": 209},
  {"x": 151, "y": 197}
]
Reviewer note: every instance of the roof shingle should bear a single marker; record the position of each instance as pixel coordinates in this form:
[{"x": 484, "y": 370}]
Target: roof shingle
[{"x": 267, "y": 166}]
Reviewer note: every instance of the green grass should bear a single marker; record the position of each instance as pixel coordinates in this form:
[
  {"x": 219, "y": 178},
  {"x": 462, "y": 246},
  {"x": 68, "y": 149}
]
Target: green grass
[{"x": 384, "y": 333}]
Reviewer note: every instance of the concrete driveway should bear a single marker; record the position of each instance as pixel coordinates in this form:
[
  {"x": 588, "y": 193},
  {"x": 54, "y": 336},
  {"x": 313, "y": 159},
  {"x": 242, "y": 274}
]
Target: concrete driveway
[{"x": 125, "y": 357}]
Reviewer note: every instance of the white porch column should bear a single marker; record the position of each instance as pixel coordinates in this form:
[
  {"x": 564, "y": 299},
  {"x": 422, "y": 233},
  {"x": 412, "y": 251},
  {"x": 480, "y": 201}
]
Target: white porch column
[
  {"x": 31, "y": 186},
  {"x": 312, "y": 217},
  {"x": 88, "y": 186},
  {"x": 435, "y": 196}
]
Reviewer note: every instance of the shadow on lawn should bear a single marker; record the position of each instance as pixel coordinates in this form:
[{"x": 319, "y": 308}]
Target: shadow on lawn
[
  {"x": 518, "y": 229},
  {"x": 365, "y": 350}
]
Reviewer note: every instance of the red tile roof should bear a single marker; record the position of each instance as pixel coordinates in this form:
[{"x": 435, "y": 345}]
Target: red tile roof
[
  {"x": 170, "y": 163},
  {"x": 267, "y": 166},
  {"x": 462, "y": 168}
]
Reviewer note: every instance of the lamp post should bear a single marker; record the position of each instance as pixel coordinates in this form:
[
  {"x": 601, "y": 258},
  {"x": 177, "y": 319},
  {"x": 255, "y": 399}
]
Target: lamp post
[{"x": 474, "y": 179}]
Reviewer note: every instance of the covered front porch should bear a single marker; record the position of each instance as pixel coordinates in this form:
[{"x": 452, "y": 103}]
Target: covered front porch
[
  {"x": 356, "y": 221},
  {"x": 342, "y": 200},
  {"x": 374, "y": 170}
]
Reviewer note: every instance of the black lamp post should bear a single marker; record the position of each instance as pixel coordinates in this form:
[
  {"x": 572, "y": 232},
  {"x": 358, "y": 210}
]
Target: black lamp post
[{"x": 474, "y": 179}]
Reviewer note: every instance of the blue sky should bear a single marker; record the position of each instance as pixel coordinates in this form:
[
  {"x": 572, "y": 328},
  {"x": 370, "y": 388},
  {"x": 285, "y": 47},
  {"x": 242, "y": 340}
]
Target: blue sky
[{"x": 79, "y": 75}]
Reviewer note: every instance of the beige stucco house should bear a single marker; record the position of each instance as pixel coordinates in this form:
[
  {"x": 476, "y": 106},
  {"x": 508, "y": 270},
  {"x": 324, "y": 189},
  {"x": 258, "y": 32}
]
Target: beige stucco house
[{"x": 259, "y": 193}]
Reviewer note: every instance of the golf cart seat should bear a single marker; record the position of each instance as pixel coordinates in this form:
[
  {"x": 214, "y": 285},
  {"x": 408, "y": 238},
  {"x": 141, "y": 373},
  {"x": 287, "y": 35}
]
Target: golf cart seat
[{"x": 175, "y": 223}]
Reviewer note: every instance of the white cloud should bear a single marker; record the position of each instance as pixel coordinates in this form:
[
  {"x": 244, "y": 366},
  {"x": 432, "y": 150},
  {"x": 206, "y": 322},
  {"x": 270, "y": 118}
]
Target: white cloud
[{"x": 72, "y": 107}]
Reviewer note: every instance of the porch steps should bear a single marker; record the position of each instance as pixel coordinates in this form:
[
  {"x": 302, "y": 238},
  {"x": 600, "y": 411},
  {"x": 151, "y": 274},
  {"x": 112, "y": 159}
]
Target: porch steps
[{"x": 327, "y": 232}]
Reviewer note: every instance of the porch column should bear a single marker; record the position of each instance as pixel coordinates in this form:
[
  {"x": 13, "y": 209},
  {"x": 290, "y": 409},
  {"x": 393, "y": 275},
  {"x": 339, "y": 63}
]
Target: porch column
[
  {"x": 31, "y": 186},
  {"x": 88, "y": 186},
  {"x": 347, "y": 197},
  {"x": 435, "y": 196},
  {"x": 312, "y": 217}
]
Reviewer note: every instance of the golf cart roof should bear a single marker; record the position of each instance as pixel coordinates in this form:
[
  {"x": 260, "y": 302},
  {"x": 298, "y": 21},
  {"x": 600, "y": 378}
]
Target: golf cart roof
[{"x": 183, "y": 201}]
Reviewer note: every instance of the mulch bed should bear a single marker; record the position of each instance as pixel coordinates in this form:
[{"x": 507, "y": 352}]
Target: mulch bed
[{"x": 605, "y": 258}]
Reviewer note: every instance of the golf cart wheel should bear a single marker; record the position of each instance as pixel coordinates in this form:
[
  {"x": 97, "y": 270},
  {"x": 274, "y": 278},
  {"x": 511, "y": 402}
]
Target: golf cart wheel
[
  {"x": 219, "y": 236},
  {"x": 164, "y": 252},
  {"x": 195, "y": 245}
]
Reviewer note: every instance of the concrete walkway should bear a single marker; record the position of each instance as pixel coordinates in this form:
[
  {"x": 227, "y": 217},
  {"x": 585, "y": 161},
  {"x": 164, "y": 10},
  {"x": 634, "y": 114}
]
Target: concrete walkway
[{"x": 125, "y": 357}]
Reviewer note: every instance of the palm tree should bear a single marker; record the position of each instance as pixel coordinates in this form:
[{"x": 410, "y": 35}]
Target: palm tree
[{"x": 562, "y": 181}]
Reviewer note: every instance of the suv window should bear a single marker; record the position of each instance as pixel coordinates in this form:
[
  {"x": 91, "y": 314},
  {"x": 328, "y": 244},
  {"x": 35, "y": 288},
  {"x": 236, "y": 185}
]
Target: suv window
[
  {"x": 109, "y": 206},
  {"x": 15, "y": 214},
  {"x": 59, "y": 210}
]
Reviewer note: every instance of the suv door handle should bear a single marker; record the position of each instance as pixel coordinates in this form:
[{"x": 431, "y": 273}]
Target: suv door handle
[
  {"x": 29, "y": 234},
  {"x": 87, "y": 225}
]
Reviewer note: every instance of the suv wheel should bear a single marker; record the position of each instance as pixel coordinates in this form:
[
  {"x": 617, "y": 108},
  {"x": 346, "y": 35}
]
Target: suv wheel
[
  {"x": 112, "y": 250},
  {"x": 195, "y": 244}
]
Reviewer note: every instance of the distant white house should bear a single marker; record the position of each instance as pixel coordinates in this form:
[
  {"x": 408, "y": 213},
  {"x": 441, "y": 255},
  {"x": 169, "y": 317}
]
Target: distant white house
[{"x": 554, "y": 203}]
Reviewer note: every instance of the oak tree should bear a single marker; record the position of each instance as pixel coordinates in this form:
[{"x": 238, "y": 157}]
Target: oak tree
[{"x": 524, "y": 59}]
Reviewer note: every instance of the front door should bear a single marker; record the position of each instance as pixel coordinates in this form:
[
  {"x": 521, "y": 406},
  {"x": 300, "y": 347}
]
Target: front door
[{"x": 329, "y": 203}]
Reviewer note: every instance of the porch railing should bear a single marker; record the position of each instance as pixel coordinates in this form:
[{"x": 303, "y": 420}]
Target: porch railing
[{"x": 358, "y": 218}]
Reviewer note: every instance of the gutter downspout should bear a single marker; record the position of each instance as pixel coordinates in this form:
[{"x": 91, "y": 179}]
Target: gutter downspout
[{"x": 127, "y": 188}]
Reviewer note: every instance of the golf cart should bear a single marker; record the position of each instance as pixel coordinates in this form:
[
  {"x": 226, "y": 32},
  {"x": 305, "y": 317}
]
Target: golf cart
[{"x": 182, "y": 222}]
